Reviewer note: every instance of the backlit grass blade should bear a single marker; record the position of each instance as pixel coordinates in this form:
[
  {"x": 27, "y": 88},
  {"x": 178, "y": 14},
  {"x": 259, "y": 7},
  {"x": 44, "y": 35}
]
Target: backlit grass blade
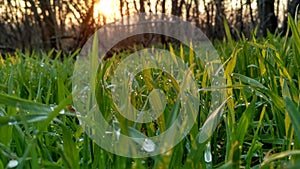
[
  {"x": 295, "y": 29},
  {"x": 227, "y": 32},
  {"x": 210, "y": 124},
  {"x": 296, "y": 38},
  {"x": 231, "y": 64},
  {"x": 277, "y": 156},
  {"x": 294, "y": 115}
]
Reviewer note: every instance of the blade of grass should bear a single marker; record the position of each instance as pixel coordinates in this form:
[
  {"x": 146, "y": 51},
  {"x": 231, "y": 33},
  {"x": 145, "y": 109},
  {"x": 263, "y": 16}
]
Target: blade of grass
[
  {"x": 69, "y": 148},
  {"x": 24, "y": 104},
  {"x": 277, "y": 156},
  {"x": 294, "y": 115}
]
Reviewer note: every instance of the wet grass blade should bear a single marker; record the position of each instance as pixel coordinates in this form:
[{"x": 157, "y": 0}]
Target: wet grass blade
[
  {"x": 69, "y": 149},
  {"x": 277, "y": 156},
  {"x": 245, "y": 121},
  {"x": 250, "y": 81},
  {"x": 23, "y": 104},
  {"x": 293, "y": 114}
]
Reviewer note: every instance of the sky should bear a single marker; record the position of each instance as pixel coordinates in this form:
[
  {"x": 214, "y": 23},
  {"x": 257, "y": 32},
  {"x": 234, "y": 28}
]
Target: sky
[{"x": 110, "y": 8}]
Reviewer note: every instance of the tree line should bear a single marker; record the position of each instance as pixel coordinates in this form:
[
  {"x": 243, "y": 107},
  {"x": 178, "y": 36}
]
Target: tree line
[{"x": 67, "y": 24}]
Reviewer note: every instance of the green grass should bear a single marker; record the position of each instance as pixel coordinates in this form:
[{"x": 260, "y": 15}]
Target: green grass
[{"x": 260, "y": 126}]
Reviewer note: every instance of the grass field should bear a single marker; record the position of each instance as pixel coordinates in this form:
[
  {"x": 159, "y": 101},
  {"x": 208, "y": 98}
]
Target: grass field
[{"x": 260, "y": 126}]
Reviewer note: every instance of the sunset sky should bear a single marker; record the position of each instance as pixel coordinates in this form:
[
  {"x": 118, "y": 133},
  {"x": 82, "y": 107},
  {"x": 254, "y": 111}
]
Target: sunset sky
[{"x": 110, "y": 8}]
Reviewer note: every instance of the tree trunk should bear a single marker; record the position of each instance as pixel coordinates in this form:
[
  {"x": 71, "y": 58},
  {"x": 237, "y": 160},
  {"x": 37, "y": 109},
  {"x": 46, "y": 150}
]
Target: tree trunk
[
  {"x": 292, "y": 6},
  {"x": 251, "y": 14},
  {"x": 188, "y": 6},
  {"x": 219, "y": 19},
  {"x": 121, "y": 8},
  {"x": 142, "y": 6},
  {"x": 208, "y": 20},
  {"x": 268, "y": 20},
  {"x": 174, "y": 9},
  {"x": 163, "y": 6},
  {"x": 196, "y": 13}
]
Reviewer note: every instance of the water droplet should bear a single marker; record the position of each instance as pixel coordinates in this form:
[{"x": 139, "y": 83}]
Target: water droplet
[
  {"x": 111, "y": 87},
  {"x": 169, "y": 80},
  {"x": 187, "y": 93},
  {"x": 52, "y": 108},
  {"x": 12, "y": 163},
  {"x": 207, "y": 153},
  {"x": 221, "y": 72},
  {"x": 62, "y": 111},
  {"x": 42, "y": 65},
  {"x": 148, "y": 145},
  {"x": 157, "y": 132},
  {"x": 12, "y": 123},
  {"x": 188, "y": 146},
  {"x": 118, "y": 133}
]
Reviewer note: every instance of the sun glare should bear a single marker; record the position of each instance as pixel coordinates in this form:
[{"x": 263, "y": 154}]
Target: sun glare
[{"x": 104, "y": 7}]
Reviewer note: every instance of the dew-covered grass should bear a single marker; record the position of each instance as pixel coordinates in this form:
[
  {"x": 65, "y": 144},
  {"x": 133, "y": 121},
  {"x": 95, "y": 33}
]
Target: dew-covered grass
[{"x": 259, "y": 127}]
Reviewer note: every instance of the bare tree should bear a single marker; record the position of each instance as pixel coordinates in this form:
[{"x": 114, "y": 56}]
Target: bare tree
[
  {"x": 67, "y": 24},
  {"x": 267, "y": 17},
  {"x": 163, "y": 6},
  {"x": 291, "y": 9},
  {"x": 251, "y": 13},
  {"x": 36, "y": 24},
  {"x": 219, "y": 19},
  {"x": 174, "y": 9},
  {"x": 196, "y": 13}
]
